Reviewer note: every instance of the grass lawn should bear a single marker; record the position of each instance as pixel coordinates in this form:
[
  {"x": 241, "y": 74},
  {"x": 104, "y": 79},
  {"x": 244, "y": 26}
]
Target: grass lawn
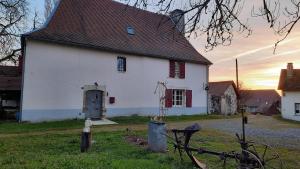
[
  {"x": 278, "y": 117},
  {"x": 14, "y": 127},
  {"x": 60, "y": 148}
]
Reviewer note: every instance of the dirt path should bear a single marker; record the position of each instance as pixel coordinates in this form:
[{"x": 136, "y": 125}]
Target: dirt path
[{"x": 264, "y": 129}]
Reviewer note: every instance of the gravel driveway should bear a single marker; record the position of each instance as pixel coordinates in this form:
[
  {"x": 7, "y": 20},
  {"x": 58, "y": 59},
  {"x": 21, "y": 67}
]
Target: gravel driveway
[{"x": 260, "y": 128}]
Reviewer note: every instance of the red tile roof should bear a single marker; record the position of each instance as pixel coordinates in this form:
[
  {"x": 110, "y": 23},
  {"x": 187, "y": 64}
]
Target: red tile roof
[
  {"x": 103, "y": 24},
  {"x": 219, "y": 88},
  {"x": 9, "y": 71},
  {"x": 289, "y": 83},
  {"x": 262, "y": 99},
  {"x": 10, "y": 78}
]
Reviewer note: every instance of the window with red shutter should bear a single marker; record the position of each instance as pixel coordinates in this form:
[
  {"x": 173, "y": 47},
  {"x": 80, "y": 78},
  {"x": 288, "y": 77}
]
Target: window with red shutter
[
  {"x": 189, "y": 98},
  {"x": 168, "y": 99},
  {"x": 182, "y": 70},
  {"x": 172, "y": 68},
  {"x": 177, "y": 69}
]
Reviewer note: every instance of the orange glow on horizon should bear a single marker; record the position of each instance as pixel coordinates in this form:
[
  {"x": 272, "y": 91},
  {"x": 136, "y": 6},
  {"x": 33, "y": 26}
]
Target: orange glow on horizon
[
  {"x": 269, "y": 77},
  {"x": 262, "y": 78}
]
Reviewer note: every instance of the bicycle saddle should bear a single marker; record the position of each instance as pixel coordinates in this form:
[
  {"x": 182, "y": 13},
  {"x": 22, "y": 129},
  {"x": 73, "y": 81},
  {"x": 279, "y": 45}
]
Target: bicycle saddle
[{"x": 193, "y": 128}]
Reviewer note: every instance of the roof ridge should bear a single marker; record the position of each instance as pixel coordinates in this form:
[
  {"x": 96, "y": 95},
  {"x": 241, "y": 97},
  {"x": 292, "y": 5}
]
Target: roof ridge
[
  {"x": 258, "y": 89},
  {"x": 222, "y": 81},
  {"x": 136, "y": 8}
]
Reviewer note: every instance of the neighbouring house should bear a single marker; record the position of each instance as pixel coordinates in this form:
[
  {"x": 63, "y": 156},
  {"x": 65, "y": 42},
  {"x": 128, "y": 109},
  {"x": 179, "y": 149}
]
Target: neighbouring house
[
  {"x": 266, "y": 102},
  {"x": 222, "y": 97},
  {"x": 94, "y": 58},
  {"x": 10, "y": 91},
  {"x": 289, "y": 84}
]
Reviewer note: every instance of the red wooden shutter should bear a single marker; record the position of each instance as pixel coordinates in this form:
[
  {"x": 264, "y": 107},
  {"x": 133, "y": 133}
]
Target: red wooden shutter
[
  {"x": 169, "y": 97},
  {"x": 182, "y": 70},
  {"x": 189, "y": 98},
  {"x": 172, "y": 68}
]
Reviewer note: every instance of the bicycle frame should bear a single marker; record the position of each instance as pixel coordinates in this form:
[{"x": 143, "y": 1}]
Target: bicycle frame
[{"x": 189, "y": 131}]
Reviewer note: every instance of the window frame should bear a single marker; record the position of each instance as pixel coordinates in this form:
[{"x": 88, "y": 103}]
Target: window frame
[
  {"x": 178, "y": 96},
  {"x": 253, "y": 108},
  {"x": 177, "y": 70},
  {"x": 297, "y": 109},
  {"x": 121, "y": 64}
]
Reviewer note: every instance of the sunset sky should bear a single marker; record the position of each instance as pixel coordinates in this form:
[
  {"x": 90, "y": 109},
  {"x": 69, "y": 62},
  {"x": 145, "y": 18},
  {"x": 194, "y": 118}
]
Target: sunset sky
[{"x": 259, "y": 67}]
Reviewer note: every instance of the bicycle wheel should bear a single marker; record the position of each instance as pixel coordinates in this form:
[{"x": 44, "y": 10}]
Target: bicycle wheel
[
  {"x": 268, "y": 156},
  {"x": 250, "y": 160}
]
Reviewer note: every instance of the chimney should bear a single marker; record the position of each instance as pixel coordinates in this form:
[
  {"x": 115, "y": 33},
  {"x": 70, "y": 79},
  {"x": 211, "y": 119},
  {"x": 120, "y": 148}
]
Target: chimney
[
  {"x": 289, "y": 70},
  {"x": 177, "y": 16}
]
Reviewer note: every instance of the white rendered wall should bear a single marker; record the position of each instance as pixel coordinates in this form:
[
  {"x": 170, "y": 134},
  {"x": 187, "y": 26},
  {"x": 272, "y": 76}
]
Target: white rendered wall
[
  {"x": 288, "y": 105},
  {"x": 232, "y": 108},
  {"x": 54, "y": 75}
]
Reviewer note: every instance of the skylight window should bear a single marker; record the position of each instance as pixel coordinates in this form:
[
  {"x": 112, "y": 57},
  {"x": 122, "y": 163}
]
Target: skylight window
[{"x": 130, "y": 30}]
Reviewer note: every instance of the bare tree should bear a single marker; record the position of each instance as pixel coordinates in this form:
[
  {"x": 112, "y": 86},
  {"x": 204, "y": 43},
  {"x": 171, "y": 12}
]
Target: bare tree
[
  {"x": 49, "y": 5},
  {"x": 48, "y": 8},
  {"x": 12, "y": 15},
  {"x": 37, "y": 21},
  {"x": 219, "y": 19},
  {"x": 293, "y": 15}
]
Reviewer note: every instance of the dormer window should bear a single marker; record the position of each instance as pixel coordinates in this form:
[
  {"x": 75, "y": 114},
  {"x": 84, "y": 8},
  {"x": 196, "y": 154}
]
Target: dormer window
[{"x": 130, "y": 30}]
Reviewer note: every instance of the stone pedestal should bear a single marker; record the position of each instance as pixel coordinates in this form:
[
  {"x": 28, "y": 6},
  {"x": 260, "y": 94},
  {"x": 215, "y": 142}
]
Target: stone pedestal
[{"x": 157, "y": 139}]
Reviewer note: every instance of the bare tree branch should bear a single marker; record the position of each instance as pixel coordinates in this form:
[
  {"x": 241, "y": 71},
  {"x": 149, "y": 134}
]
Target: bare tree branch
[
  {"x": 12, "y": 15},
  {"x": 294, "y": 17},
  {"x": 11, "y": 55},
  {"x": 218, "y": 20}
]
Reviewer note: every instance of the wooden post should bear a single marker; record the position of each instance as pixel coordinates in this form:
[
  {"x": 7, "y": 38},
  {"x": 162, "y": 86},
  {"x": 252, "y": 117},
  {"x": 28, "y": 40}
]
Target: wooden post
[
  {"x": 86, "y": 136},
  {"x": 238, "y": 105}
]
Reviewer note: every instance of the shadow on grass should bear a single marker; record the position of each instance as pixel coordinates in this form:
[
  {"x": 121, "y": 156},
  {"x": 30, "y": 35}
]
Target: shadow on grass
[{"x": 279, "y": 117}]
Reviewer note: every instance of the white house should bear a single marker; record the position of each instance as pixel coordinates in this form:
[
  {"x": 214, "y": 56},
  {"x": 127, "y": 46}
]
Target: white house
[
  {"x": 223, "y": 97},
  {"x": 103, "y": 57},
  {"x": 289, "y": 84}
]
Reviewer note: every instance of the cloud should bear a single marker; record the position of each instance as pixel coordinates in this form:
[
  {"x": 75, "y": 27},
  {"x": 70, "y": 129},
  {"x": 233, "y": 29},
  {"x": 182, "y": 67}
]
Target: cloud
[
  {"x": 281, "y": 54},
  {"x": 252, "y": 51}
]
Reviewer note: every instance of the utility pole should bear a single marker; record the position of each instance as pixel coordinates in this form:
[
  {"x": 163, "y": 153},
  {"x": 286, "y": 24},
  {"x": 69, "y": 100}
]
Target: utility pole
[{"x": 238, "y": 99}]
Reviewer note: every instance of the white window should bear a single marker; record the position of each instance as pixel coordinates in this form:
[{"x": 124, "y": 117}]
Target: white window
[
  {"x": 297, "y": 108},
  {"x": 121, "y": 64},
  {"x": 177, "y": 70},
  {"x": 178, "y": 99},
  {"x": 252, "y": 109}
]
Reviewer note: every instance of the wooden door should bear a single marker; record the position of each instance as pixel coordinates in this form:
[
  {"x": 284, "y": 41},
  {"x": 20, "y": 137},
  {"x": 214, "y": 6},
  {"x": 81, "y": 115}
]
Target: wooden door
[{"x": 94, "y": 102}]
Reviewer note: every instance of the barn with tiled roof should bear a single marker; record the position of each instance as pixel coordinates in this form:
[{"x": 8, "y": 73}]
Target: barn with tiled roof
[{"x": 223, "y": 97}]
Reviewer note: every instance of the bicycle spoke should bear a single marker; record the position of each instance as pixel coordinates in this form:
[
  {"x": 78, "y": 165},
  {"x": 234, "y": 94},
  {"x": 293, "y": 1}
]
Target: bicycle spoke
[
  {"x": 274, "y": 158},
  {"x": 265, "y": 151}
]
